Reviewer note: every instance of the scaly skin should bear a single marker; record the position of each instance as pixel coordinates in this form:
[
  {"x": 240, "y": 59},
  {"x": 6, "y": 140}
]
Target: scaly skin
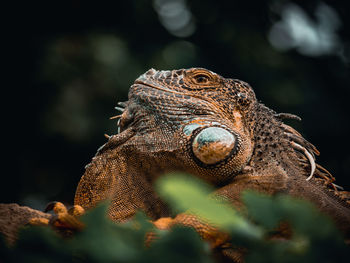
[{"x": 198, "y": 122}]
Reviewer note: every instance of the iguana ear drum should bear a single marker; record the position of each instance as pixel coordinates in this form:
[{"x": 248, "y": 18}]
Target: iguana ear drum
[{"x": 213, "y": 145}]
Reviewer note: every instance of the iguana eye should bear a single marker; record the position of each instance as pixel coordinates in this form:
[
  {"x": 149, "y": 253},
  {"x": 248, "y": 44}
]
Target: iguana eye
[
  {"x": 201, "y": 78},
  {"x": 197, "y": 79},
  {"x": 213, "y": 145}
]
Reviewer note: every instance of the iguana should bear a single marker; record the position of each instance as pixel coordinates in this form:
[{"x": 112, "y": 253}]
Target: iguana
[{"x": 196, "y": 121}]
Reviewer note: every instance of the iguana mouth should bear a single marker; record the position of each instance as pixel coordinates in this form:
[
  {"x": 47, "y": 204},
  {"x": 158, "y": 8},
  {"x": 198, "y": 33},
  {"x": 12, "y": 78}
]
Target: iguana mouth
[
  {"x": 142, "y": 81},
  {"x": 147, "y": 84},
  {"x": 207, "y": 105}
]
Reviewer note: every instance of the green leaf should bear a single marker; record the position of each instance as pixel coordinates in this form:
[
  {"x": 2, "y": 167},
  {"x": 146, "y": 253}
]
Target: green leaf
[
  {"x": 262, "y": 209},
  {"x": 186, "y": 193},
  {"x": 180, "y": 244},
  {"x": 105, "y": 241},
  {"x": 314, "y": 239},
  {"x": 40, "y": 244}
]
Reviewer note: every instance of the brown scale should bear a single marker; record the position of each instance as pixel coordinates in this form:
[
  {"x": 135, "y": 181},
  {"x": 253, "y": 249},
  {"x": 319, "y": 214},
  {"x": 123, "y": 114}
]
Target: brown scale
[{"x": 271, "y": 157}]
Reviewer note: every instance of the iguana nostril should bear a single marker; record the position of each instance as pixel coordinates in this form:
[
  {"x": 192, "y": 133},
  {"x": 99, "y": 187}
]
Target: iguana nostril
[{"x": 213, "y": 145}]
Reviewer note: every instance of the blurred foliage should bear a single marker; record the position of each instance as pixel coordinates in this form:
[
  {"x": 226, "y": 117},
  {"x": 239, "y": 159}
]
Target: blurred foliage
[
  {"x": 314, "y": 239},
  {"x": 105, "y": 241}
]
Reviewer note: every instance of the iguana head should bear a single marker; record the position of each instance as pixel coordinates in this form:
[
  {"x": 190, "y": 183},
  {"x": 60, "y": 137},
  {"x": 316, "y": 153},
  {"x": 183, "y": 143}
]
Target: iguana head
[{"x": 212, "y": 126}]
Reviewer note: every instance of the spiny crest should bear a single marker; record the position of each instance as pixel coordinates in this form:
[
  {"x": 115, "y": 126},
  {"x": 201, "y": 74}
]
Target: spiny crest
[{"x": 306, "y": 151}]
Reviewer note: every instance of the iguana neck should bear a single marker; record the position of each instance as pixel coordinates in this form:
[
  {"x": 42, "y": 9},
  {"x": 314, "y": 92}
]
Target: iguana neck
[{"x": 273, "y": 146}]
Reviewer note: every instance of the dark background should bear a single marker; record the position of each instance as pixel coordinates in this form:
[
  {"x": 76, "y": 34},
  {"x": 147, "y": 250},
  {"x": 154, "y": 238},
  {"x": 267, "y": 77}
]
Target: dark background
[{"x": 67, "y": 64}]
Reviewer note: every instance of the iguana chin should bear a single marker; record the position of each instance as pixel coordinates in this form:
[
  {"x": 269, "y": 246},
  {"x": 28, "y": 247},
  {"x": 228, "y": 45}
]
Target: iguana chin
[{"x": 198, "y": 122}]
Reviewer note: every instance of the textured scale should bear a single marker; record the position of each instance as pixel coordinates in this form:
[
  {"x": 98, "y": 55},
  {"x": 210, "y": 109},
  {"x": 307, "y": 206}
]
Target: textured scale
[{"x": 195, "y": 121}]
